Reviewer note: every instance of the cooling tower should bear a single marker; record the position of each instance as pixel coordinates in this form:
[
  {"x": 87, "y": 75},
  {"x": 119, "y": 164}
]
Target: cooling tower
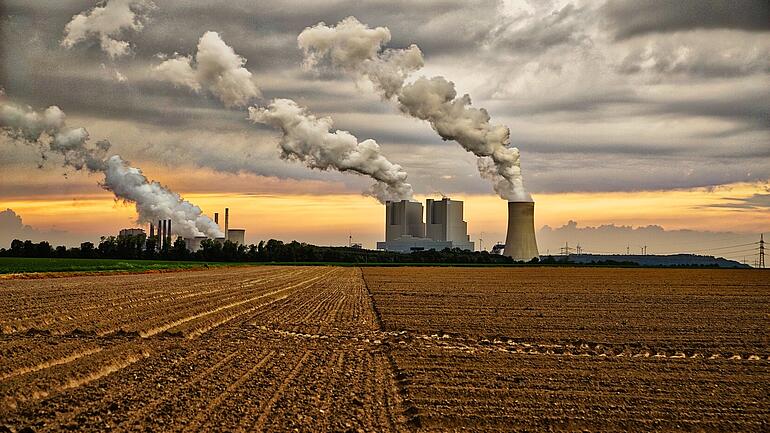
[{"x": 520, "y": 243}]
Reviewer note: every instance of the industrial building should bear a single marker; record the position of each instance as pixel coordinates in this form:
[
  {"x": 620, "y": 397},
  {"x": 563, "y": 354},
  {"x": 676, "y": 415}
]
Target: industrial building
[
  {"x": 161, "y": 234},
  {"x": 520, "y": 243},
  {"x": 403, "y": 218},
  {"x": 444, "y": 223},
  {"x": 405, "y": 230},
  {"x": 131, "y": 232},
  {"x": 236, "y": 236}
]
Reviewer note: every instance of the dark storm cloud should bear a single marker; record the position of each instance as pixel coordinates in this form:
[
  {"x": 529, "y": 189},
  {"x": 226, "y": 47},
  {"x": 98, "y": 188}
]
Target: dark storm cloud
[
  {"x": 529, "y": 34},
  {"x": 617, "y": 172},
  {"x": 666, "y": 61},
  {"x": 756, "y": 201},
  {"x": 629, "y": 18},
  {"x": 584, "y": 88},
  {"x": 583, "y": 102},
  {"x": 747, "y": 106}
]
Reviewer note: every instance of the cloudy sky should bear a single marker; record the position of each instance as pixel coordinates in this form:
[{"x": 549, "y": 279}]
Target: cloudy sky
[{"x": 629, "y": 113}]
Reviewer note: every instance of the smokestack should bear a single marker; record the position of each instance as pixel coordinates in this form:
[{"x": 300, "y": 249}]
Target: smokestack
[
  {"x": 520, "y": 243},
  {"x": 169, "y": 233},
  {"x": 216, "y": 217},
  {"x": 227, "y": 223},
  {"x": 158, "y": 235},
  {"x": 152, "y": 231},
  {"x": 163, "y": 234}
]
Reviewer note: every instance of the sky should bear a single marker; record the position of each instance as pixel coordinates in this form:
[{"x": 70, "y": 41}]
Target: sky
[{"x": 627, "y": 114}]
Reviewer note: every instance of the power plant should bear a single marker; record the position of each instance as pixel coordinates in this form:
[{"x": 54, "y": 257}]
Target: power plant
[
  {"x": 236, "y": 236},
  {"x": 520, "y": 243},
  {"x": 405, "y": 230},
  {"x": 161, "y": 233}
]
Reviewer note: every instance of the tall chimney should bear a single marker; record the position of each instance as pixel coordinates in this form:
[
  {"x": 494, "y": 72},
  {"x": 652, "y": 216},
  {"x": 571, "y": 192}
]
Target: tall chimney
[
  {"x": 163, "y": 234},
  {"x": 169, "y": 234},
  {"x": 158, "y": 236},
  {"x": 227, "y": 222},
  {"x": 520, "y": 243},
  {"x": 152, "y": 231},
  {"x": 216, "y": 218}
]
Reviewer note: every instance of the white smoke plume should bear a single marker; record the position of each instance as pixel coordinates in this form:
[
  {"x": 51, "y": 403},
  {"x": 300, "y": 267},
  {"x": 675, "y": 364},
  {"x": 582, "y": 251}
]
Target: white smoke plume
[
  {"x": 49, "y": 131},
  {"x": 355, "y": 48},
  {"x": 310, "y": 139},
  {"x": 105, "y": 23},
  {"x": 216, "y": 67},
  {"x": 152, "y": 200}
]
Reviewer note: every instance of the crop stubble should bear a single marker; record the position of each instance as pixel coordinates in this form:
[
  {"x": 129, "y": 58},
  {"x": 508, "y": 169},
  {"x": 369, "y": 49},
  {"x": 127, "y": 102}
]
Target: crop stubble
[{"x": 388, "y": 349}]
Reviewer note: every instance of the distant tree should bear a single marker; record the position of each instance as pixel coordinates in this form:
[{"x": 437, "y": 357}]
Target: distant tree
[
  {"x": 17, "y": 248},
  {"x": 179, "y": 250},
  {"x": 108, "y": 247},
  {"x": 28, "y": 249},
  {"x": 150, "y": 247},
  {"x": 87, "y": 250},
  {"x": 210, "y": 251}
]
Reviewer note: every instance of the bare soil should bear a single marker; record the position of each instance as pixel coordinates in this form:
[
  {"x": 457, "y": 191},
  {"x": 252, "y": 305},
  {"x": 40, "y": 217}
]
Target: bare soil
[{"x": 388, "y": 349}]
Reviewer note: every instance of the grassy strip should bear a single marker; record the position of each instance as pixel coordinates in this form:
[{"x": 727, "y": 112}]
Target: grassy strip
[{"x": 22, "y": 265}]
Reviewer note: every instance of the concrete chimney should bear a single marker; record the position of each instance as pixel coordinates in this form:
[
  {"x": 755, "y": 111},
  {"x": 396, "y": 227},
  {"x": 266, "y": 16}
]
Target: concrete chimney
[
  {"x": 158, "y": 235},
  {"x": 152, "y": 231},
  {"x": 227, "y": 222},
  {"x": 216, "y": 218},
  {"x": 520, "y": 243},
  {"x": 169, "y": 233}
]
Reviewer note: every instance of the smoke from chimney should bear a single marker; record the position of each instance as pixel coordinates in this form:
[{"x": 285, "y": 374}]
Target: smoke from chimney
[
  {"x": 357, "y": 49},
  {"x": 152, "y": 200},
  {"x": 310, "y": 139},
  {"x": 306, "y": 138},
  {"x": 106, "y": 22},
  {"x": 216, "y": 67}
]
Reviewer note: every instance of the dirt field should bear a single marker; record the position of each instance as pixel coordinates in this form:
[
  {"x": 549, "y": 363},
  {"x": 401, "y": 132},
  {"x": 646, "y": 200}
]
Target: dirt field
[{"x": 388, "y": 349}]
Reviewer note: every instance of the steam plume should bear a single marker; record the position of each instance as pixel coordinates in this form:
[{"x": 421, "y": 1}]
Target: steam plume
[
  {"x": 105, "y": 23},
  {"x": 310, "y": 139},
  {"x": 152, "y": 200},
  {"x": 306, "y": 138},
  {"x": 50, "y": 132},
  {"x": 216, "y": 67},
  {"x": 355, "y": 48}
]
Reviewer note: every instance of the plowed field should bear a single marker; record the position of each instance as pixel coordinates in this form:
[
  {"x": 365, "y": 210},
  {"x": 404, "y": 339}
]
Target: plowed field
[{"x": 388, "y": 349}]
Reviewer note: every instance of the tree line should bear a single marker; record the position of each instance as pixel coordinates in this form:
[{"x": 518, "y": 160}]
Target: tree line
[{"x": 140, "y": 247}]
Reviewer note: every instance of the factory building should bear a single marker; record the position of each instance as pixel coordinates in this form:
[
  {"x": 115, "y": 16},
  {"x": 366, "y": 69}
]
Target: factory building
[
  {"x": 131, "y": 232},
  {"x": 405, "y": 231},
  {"x": 444, "y": 223},
  {"x": 194, "y": 244},
  {"x": 237, "y": 236},
  {"x": 403, "y": 218}
]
